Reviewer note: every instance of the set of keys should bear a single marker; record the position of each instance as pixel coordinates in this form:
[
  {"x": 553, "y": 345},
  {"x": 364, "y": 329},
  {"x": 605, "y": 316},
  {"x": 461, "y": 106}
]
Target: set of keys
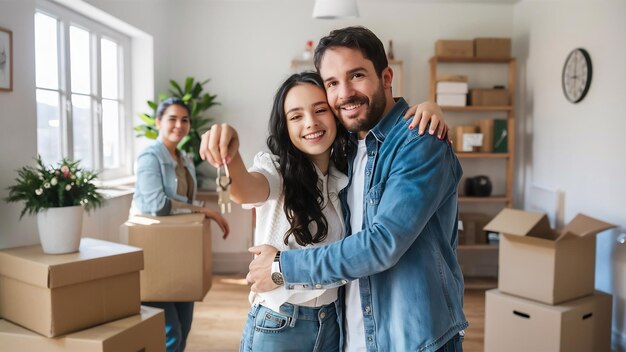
[{"x": 223, "y": 188}]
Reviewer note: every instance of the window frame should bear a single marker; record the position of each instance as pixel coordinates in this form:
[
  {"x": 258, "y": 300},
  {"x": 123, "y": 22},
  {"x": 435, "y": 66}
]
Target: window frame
[{"x": 67, "y": 18}]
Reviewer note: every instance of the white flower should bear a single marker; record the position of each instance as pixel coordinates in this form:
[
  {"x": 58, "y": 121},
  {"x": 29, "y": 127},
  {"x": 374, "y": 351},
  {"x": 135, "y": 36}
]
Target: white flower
[
  {"x": 68, "y": 187},
  {"x": 84, "y": 201},
  {"x": 46, "y": 185},
  {"x": 53, "y": 181},
  {"x": 73, "y": 177},
  {"x": 38, "y": 191}
]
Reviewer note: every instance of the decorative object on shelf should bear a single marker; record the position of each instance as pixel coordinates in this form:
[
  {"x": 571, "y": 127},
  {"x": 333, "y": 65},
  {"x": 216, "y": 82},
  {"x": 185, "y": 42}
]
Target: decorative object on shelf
[
  {"x": 57, "y": 195},
  {"x": 390, "y": 54},
  {"x": 335, "y": 9},
  {"x": 191, "y": 94},
  {"x": 500, "y": 136},
  {"x": 307, "y": 54},
  {"x": 576, "y": 77},
  {"x": 6, "y": 60},
  {"x": 478, "y": 186}
]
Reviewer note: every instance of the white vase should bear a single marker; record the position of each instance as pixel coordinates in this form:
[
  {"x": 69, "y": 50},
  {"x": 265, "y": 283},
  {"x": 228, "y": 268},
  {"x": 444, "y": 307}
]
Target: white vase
[{"x": 60, "y": 229}]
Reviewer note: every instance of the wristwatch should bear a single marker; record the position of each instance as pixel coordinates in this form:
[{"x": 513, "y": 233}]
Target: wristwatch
[{"x": 277, "y": 276}]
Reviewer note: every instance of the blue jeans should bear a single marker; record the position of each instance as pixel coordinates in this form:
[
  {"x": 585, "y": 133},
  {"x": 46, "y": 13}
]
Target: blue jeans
[
  {"x": 455, "y": 344},
  {"x": 294, "y": 328},
  {"x": 178, "y": 317}
]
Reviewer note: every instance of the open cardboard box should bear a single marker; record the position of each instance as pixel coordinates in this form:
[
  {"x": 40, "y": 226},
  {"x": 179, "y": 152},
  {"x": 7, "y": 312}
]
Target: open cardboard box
[
  {"x": 55, "y": 294},
  {"x": 144, "y": 332},
  {"x": 516, "y": 324},
  {"x": 538, "y": 263},
  {"x": 177, "y": 256}
]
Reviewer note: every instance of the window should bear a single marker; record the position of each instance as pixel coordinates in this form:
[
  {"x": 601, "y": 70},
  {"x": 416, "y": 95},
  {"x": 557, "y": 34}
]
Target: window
[{"x": 82, "y": 91}]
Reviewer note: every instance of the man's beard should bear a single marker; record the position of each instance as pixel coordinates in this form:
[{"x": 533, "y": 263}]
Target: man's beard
[{"x": 373, "y": 114}]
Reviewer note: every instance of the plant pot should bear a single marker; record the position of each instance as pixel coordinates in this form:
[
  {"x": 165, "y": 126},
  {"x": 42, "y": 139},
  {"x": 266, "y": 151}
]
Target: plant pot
[{"x": 60, "y": 229}]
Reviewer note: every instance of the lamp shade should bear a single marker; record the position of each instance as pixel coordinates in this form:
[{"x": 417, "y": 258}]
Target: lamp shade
[{"x": 332, "y": 9}]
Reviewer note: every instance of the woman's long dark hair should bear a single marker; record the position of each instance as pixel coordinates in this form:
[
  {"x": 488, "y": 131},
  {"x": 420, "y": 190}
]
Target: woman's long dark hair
[{"x": 303, "y": 199}]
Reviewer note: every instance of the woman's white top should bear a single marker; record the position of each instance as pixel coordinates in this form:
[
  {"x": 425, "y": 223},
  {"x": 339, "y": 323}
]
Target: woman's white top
[{"x": 272, "y": 224}]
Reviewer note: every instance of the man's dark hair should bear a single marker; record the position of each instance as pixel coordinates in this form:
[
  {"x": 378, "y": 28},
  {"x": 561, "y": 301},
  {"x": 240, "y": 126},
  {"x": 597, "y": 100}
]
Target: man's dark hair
[{"x": 359, "y": 38}]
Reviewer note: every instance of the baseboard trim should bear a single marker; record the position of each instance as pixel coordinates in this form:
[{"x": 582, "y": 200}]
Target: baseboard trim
[
  {"x": 619, "y": 341},
  {"x": 231, "y": 263}
]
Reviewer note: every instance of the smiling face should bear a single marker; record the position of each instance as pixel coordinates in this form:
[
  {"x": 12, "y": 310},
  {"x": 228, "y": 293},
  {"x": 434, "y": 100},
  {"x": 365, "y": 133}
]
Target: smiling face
[
  {"x": 310, "y": 122},
  {"x": 357, "y": 95},
  {"x": 173, "y": 125}
]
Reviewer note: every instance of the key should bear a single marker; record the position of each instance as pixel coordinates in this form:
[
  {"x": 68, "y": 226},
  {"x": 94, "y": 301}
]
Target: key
[{"x": 223, "y": 189}]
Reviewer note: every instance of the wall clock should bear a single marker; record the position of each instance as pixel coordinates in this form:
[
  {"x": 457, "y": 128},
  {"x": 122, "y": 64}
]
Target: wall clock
[{"x": 576, "y": 76}]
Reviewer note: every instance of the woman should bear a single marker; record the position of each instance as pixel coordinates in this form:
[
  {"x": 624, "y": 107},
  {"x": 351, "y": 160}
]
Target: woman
[
  {"x": 166, "y": 184},
  {"x": 295, "y": 192}
]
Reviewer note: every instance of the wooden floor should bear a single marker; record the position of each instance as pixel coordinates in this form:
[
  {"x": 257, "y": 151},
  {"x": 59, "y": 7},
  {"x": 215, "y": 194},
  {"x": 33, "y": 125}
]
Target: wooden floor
[{"x": 219, "y": 319}]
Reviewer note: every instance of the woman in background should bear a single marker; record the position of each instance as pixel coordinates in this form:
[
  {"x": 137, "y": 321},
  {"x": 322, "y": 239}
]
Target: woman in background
[{"x": 166, "y": 185}]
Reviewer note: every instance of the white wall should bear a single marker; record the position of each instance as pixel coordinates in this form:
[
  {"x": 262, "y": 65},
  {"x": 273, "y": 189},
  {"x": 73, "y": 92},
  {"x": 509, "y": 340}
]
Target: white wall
[
  {"x": 578, "y": 148},
  {"x": 18, "y": 115}
]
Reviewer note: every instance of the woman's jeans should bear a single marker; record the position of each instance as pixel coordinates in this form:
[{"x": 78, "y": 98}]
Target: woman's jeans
[
  {"x": 178, "y": 317},
  {"x": 294, "y": 328}
]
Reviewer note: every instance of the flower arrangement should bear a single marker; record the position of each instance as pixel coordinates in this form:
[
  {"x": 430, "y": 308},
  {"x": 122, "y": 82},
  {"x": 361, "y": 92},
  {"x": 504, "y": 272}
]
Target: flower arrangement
[{"x": 65, "y": 185}]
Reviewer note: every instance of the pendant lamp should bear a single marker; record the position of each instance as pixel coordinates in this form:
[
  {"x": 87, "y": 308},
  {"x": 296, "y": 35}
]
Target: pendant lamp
[{"x": 335, "y": 9}]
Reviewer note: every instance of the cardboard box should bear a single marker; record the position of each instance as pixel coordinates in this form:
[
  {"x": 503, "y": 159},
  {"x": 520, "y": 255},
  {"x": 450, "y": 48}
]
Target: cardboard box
[
  {"x": 452, "y": 87},
  {"x": 489, "y": 97},
  {"x": 492, "y": 48},
  {"x": 454, "y": 48},
  {"x": 500, "y": 136},
  {"x": 58, "y": 294},
  {"x": 444, "y": 99},
  {"x": 544, "y": 265},
  {"x": 515, "y": 324},
  {"x": 452, "y": 78},
  {"x": 143, "y": 332},
  {"x": 177, "y": 256}
]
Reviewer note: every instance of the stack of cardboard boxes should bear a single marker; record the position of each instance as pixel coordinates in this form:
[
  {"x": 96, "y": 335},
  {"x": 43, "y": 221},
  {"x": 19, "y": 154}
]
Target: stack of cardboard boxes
[
  {"x": 84, "y": 301},
  {"x": 545, "y": 299},
  {"x": 481, "y": 50}
]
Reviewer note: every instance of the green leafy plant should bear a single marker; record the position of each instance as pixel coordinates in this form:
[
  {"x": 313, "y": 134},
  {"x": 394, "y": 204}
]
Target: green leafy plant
[
  {"x": 63, "y": 185},
  {"x": 192, "y": 94}
]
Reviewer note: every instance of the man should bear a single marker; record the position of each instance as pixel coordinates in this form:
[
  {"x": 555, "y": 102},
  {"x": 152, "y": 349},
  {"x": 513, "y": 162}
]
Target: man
[{"x": 406, "y": 288}]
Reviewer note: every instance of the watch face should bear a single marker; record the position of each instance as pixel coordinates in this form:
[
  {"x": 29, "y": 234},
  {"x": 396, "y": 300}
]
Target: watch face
[
  {"x": 278, "y": 278},
  {"x": 576, "y": 76}
]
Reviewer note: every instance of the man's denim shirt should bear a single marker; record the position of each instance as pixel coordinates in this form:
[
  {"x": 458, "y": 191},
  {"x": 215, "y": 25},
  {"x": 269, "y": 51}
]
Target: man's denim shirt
[
  {"x": 411, "y": 283},
  {"x": 156, "y": 180}
]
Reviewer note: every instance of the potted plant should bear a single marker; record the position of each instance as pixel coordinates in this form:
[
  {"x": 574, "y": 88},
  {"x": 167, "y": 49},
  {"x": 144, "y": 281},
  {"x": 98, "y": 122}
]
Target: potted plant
[
  {"x": 192, "y": 94},
  {"x": 57, "y": 195}
]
